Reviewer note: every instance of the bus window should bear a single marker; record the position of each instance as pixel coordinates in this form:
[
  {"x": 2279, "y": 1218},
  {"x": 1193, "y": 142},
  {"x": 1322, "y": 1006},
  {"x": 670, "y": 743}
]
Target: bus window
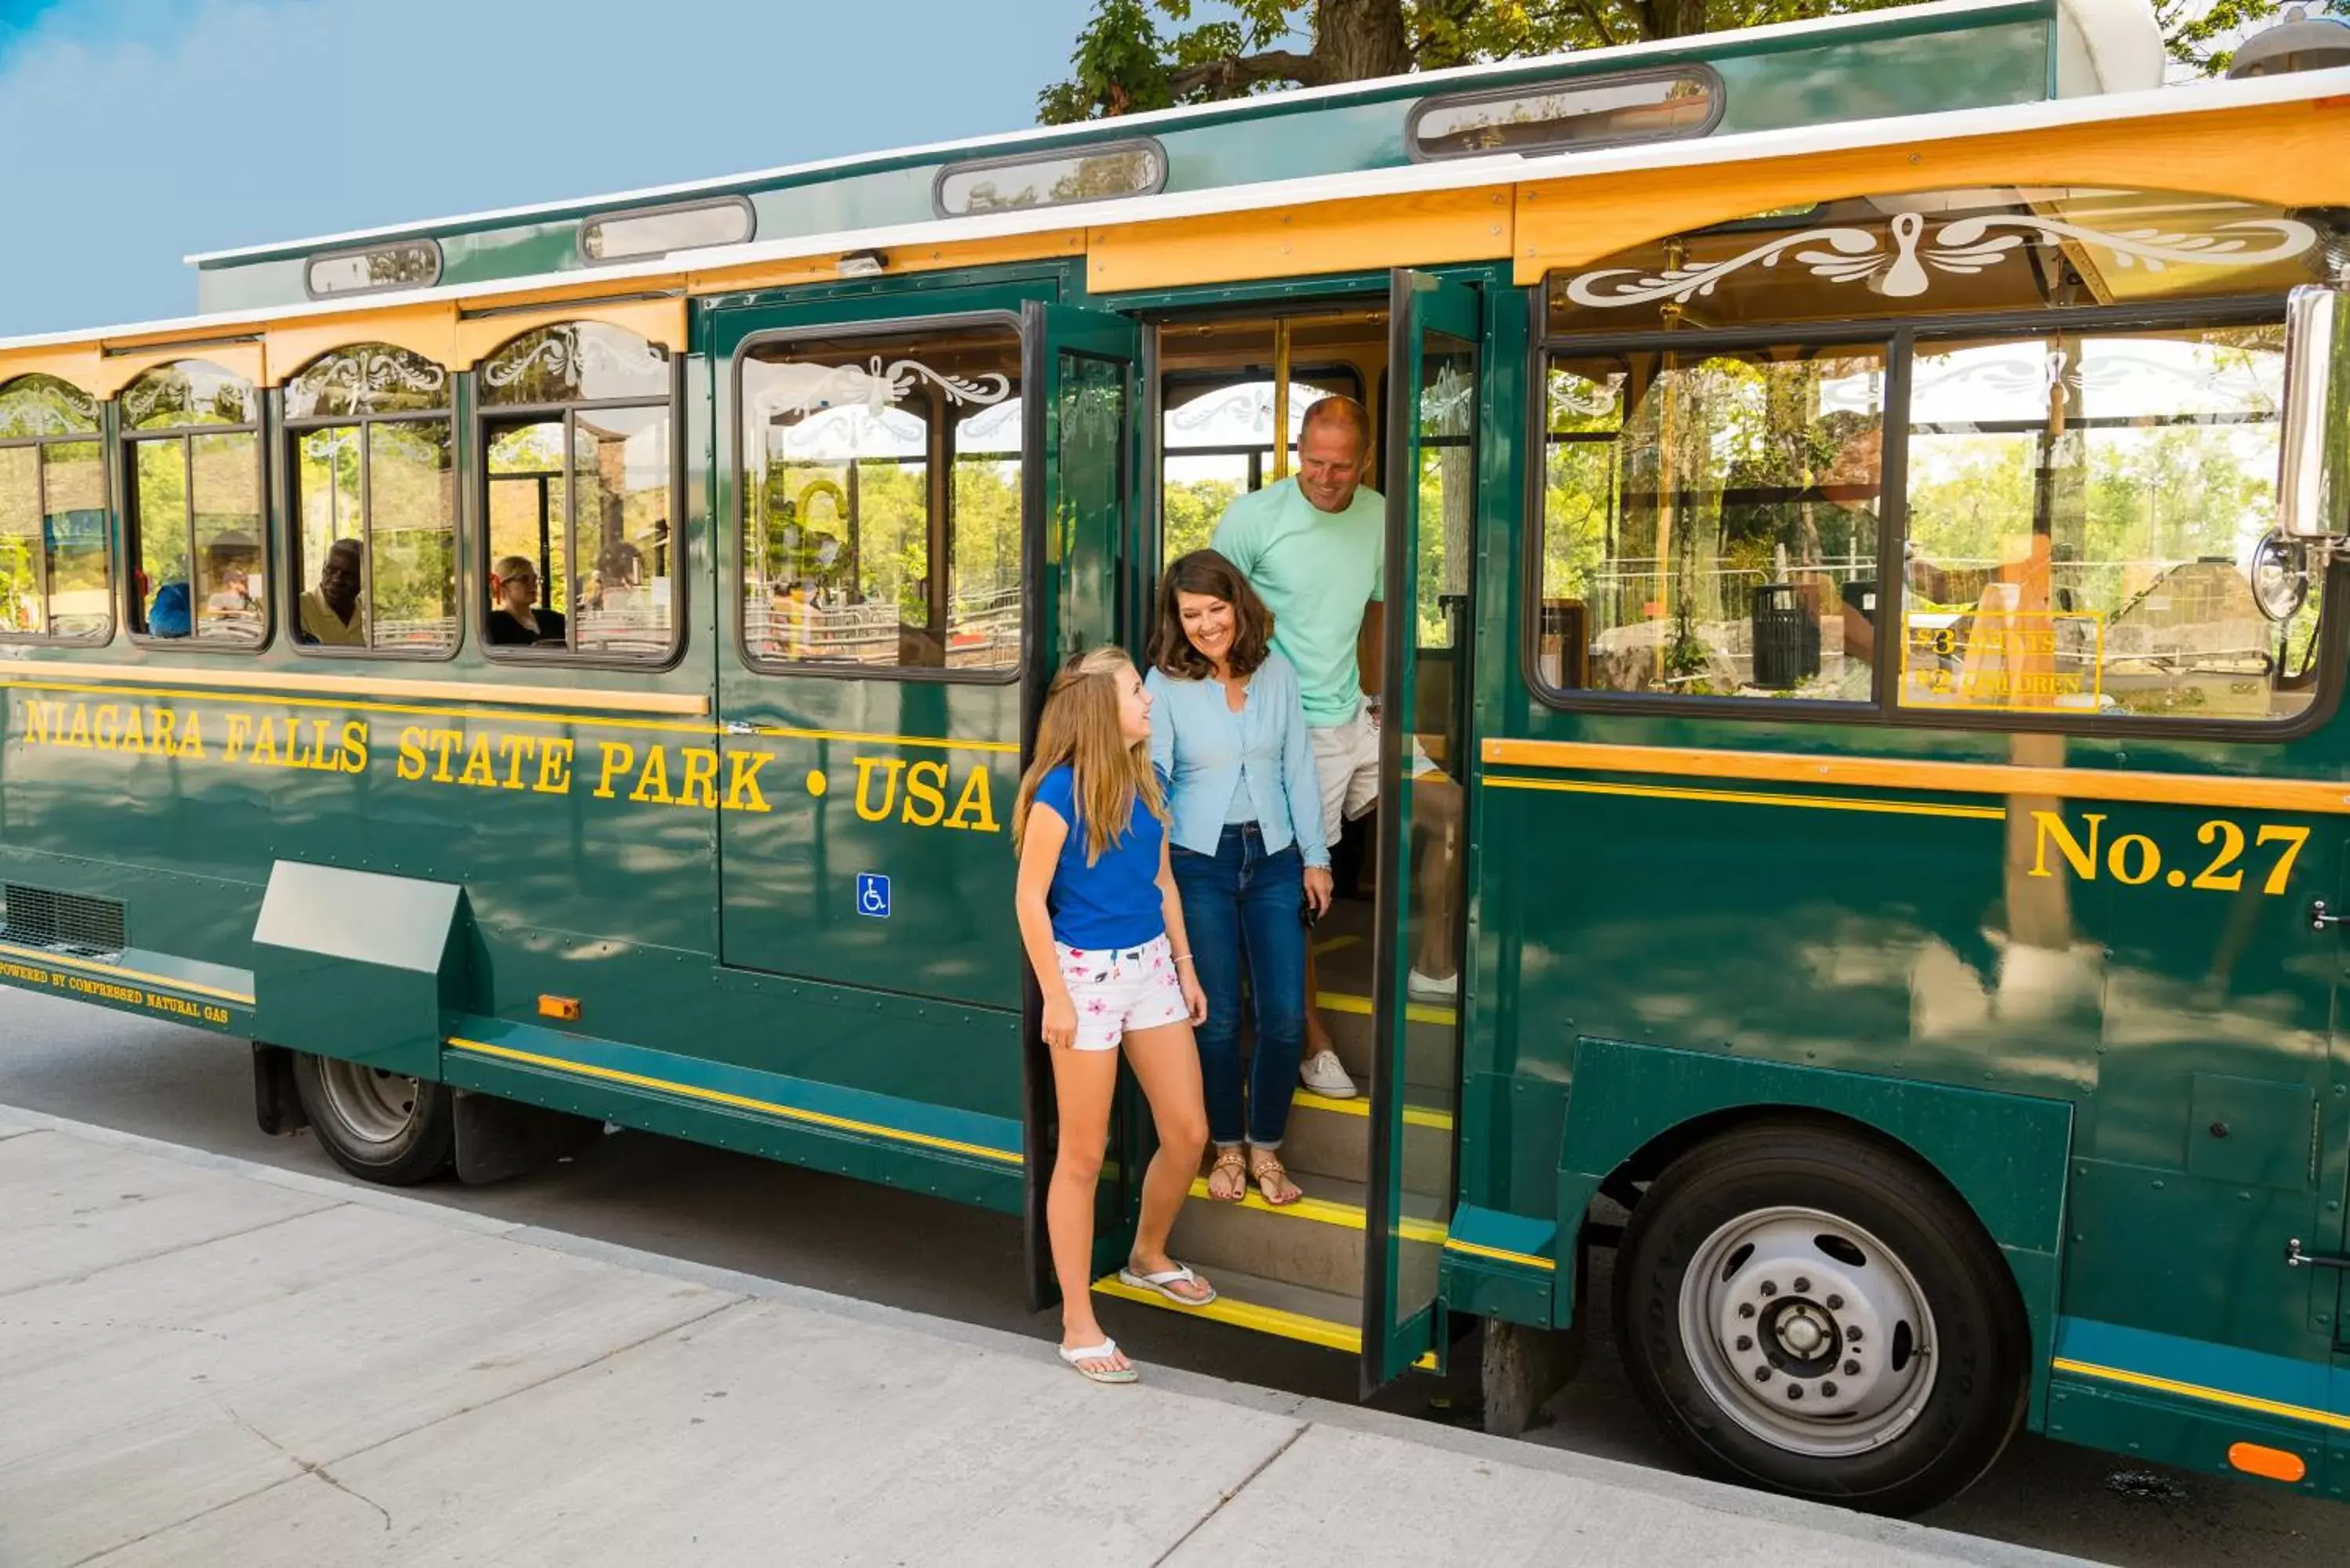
[
  {"x": 881, "y": 496},
  {"x": 579, "y": 429},
  {"x": 374, "y": 490},
  {"x": 2083, "y": 511},
  {"x": 194, "y": 524},
  {"x": 1709, "y": 521},
  {"x": 1216, "y": 441},
  {"x": 53, "y": 524}
]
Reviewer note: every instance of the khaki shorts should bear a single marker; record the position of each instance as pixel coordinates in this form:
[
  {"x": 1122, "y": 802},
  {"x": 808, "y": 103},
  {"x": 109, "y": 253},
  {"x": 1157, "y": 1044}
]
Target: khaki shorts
[{"x": 1346, "y": 765}]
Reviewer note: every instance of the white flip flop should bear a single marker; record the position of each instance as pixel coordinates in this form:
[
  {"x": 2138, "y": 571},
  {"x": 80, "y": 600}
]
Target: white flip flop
[
  {"x": 1159, "y": 1281},
  {"x": 1102, "y": 1352}
]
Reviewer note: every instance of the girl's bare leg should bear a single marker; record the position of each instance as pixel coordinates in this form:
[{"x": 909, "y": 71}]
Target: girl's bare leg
[
  {"x": 1082, "y": 1084},
  {"x": 1167, "y": 1064}
]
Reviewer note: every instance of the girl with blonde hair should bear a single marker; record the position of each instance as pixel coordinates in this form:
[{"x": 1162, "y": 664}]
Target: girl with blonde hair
[{"x": 1104, "y": 931}]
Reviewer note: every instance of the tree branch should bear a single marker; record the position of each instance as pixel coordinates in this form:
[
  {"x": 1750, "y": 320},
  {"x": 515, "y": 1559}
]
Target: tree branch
[
  {"x": 1606, "y": 38},
  {"x": 1232, "y": 77}
]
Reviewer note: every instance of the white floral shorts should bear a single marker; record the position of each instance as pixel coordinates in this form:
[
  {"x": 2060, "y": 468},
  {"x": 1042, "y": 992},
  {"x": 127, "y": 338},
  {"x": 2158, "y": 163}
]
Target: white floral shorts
[{"x": 1119, "y": 989}]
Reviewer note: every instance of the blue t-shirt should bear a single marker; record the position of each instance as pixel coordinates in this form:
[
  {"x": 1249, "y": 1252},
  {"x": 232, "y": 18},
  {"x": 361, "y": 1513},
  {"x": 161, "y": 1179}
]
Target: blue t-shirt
[{"x": 1115, "y": 902}]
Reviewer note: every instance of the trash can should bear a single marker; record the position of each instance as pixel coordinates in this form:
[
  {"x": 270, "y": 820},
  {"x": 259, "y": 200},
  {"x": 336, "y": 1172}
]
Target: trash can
[{"x": 1786, "y": 638}]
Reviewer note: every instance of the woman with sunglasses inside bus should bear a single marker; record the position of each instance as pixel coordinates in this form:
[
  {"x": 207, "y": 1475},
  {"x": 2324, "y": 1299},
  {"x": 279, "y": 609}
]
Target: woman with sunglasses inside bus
[
  {"x": 1245, "y": 813},
  {"x": 1104, "y": 931}
]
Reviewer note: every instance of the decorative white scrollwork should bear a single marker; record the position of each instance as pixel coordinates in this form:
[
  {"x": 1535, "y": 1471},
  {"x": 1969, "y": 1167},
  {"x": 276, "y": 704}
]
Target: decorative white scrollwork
[
  {"x": 798, "y": 387},
  {"x": 1965, "y": 245},
  {"x": 566, "y": 353},
  {"x": 1576, "y": 395},
  {"x": 355, "y": 382}
]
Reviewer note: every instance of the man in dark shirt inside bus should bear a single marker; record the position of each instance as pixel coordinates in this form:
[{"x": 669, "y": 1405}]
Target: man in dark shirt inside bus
[
  {"x": 330, "y": 614},
  {"x": 515, "y": 618}
]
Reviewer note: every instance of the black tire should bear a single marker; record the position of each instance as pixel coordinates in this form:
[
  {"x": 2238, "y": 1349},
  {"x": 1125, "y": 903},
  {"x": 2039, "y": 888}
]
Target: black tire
[
  {"x": 1946, "y": 1423},
  {"x": 380, "y": 1127}
]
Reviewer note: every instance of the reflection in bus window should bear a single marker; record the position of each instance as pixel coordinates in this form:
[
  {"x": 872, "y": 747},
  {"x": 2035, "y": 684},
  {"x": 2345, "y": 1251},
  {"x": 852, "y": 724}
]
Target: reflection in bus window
[
  {"x": 581, "y": 482},
  {"x": 1710, "y": 523},
  {"x": 882, "y": 503},
  {"x": 373, "y": 469},
  {"x": 194, "y": 520},
  {"x": 53, "y": 523},
  {"x": 2083, "y": 509},
  {"x": 1216, "y": 436}
]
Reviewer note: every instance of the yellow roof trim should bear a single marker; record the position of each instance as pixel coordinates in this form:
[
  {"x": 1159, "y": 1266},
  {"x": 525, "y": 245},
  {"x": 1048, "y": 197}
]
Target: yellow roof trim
[
  {"x": 1420, "y": 228},
  {"x": 117, "y": 370},
  {"x": 938, "y": 257},
  {"x": 2287, "y": 153},
  {"x": 77, "y": 366},
  {"x": 661, "y": 321},
  {"x": 430, "y": 330}
]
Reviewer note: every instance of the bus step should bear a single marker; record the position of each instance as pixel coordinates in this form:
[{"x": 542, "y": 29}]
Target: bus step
[{"x": 1263, "y": 1306}]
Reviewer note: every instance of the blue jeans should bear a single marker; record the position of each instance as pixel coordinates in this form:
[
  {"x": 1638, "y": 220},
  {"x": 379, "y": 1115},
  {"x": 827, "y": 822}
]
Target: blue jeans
[{"x": 1241, "y": 906}]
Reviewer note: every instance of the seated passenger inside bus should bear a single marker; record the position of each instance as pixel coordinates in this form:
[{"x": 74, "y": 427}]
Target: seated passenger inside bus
[
  {"x": 515, "y": 617},
  {"x": 330, "y": 615}
]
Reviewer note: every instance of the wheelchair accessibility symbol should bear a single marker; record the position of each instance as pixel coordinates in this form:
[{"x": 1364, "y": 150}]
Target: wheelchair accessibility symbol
[{"x": 873, "y": 895}]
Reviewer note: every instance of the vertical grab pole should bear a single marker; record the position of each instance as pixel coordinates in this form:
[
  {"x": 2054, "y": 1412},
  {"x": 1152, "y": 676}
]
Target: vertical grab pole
[{"x": 1281, "y": 399}]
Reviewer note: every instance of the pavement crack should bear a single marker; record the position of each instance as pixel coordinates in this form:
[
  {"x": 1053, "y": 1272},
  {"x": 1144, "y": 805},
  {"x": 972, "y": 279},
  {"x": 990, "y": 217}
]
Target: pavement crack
[
  {"x": 308, "y": 1466},
  {"x": 188, "y": 1246},
  {"x": 1247, "y": 1480}
]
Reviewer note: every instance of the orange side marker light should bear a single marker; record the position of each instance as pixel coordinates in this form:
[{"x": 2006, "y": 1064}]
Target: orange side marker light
[
  {"x": 566, "y": 1008},
  {"x": 2271, "y": 1464}
]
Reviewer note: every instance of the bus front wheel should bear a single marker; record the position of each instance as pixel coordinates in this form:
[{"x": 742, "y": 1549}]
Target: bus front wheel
[
  {"x": 380, "y": 1126},
  {"x": 1809, "y": 1311}
]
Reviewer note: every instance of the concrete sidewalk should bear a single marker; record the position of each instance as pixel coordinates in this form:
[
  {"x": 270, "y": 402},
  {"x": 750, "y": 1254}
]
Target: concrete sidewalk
[{"x": 205, "y": 1361}]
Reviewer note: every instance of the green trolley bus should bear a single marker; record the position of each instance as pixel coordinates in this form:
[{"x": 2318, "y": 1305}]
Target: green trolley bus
[{"x": 1860, "y": 700}]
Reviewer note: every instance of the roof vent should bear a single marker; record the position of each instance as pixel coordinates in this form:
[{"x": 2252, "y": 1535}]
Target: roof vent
[{"x": 2299, "y": 43}]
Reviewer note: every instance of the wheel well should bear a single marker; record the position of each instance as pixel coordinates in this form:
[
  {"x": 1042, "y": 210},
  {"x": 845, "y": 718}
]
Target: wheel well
[{"x": 1625, "y": 1184}]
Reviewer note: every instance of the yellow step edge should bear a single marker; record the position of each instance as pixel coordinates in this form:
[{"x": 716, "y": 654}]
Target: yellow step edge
[
  {"x": 1416, "y": 1012},
  {"x": 1257, "y": 1319},
  {"x": 1322, "y": 1211},
  {"x": 1419, "y": 1116}
]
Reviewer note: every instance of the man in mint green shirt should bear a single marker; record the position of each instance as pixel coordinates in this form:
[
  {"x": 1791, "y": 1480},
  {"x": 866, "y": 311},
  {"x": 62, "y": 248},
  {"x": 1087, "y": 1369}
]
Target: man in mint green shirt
[{"x": 1312, "y": 547}]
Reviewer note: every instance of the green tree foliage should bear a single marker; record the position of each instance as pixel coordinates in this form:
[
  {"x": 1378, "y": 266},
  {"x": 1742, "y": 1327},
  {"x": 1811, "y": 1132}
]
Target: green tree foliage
[{"x": 1137, "y": 55}]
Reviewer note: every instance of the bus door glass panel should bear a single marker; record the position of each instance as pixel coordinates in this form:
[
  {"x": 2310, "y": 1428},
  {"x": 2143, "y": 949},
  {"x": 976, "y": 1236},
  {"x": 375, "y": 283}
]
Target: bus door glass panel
[
  {"x": 1431, "y": 526},
  {"x": 1079, "y": 463},
  {"x": 1216, "y": 444},
  {"x": 871, "y": 748}
]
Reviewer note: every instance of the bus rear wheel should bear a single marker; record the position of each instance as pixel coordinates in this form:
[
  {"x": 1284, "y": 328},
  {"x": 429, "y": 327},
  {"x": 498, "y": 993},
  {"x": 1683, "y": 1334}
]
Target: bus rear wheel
[
  {"x": 380, "y": 1126},
  {"x": 1806, "y": 1309}
]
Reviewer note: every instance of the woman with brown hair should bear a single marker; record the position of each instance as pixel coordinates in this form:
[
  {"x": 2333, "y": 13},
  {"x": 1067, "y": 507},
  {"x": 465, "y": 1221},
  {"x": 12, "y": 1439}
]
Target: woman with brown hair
[
  {"x": 1097, "y": 909},
  {"x": 1249, "y": 859}
]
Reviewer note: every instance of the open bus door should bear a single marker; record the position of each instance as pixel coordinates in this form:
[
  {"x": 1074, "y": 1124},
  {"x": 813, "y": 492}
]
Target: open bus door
[
  {"x": 1081, "y": 369},
  {"x": 1431, "y": 474}
]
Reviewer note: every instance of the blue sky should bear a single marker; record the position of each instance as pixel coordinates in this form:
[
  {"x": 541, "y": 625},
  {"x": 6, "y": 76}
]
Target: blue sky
[{"x": 142, "y": 130}]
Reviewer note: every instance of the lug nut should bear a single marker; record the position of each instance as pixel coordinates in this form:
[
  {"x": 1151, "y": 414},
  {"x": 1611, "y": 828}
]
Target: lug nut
[
  {"x": 1853, "y": 1334},
  {"x": 1852, "y": 1370},
  {"x": 1801, "y": 1284},
  {"x": 1762, "y": 1374},
  {"x": 1746, "y": 1309},
  {"x": 1827, "y": 1390},
  {"x": 1836, "y": 1303},
  {"x": 1769, "y": 1289},
  {"x": 1746, "y": 1342},
  {"x": 1794, "y": 1390}
]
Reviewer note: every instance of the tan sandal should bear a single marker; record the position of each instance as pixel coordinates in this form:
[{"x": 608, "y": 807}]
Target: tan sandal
[
  {"x": 1233, "y": 1170},
  {"x": 1273, "y": 1180}
]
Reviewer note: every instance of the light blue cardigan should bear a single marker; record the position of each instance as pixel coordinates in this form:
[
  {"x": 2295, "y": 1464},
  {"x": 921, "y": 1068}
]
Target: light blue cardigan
[{"x": 1204, "y": 752}]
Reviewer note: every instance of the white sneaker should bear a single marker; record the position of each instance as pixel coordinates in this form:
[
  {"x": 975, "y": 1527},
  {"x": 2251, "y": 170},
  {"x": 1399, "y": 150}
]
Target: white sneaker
[
  {"x": 1321, "y": 1074},
  {"x": 1428, "y": 988}
]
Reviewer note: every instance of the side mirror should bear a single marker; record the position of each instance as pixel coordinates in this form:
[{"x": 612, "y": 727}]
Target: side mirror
[{"x": 2314, "y": 445}]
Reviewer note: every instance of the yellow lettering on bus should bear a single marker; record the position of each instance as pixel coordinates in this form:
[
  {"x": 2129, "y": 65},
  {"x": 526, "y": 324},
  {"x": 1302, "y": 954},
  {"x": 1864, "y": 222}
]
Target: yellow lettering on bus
[
  {"x": 699, "y": 785},
  {"x": 653, "y": 784},
  {"x": 619, "y": 757},
  {"x": 554, "y": 767},
  {"x": 80, "y": 736},
  {"x": 516, "y": 749},
  {"x": 159, "y": 740},
  {"x": 478, "y": 772},
  {"x": 354, "y": 757},
  {"x": 743, "y": 784},
  {"x": 264, "y": 742},
  {"x": 411, "y": 765},
  {"x": 240, "y": 730},
  {"x": 191, "y": 738},
  {"x": 926, "y": 794},
  {"x": 973, "y": 809},
  {"x": 2084, "y": 861},
  {"x": 36, "y": 723},
  {"x": 443, "y": 743},
  {"x": 865, "y": 767}
]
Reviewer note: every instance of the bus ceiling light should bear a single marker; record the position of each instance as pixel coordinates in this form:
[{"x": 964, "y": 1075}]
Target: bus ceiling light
[
  {"x": 2314, "y": 437},
  {"x": 863, "y": 263}
]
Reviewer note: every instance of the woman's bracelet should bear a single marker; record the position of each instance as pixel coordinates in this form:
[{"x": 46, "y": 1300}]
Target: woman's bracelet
[{"x": 1182, "y": 958}]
